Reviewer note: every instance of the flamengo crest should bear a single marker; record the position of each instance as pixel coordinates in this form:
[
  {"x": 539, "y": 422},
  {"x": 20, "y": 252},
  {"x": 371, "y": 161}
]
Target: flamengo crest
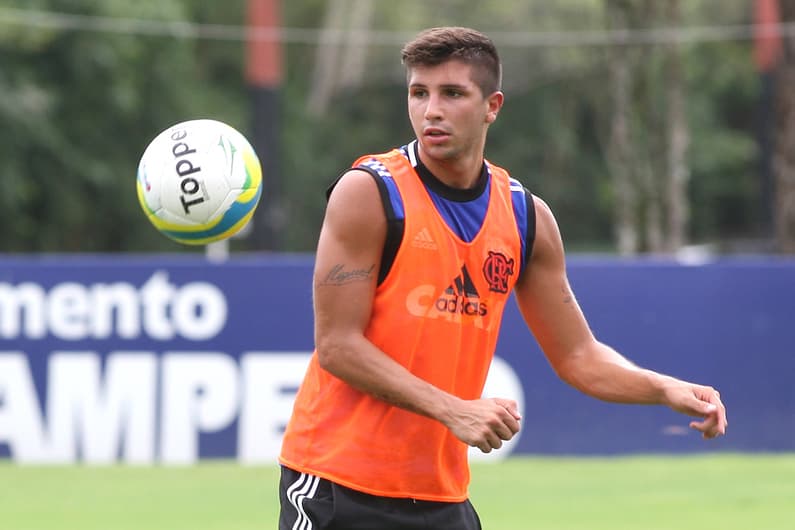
[{"x": 497, "y": 269}]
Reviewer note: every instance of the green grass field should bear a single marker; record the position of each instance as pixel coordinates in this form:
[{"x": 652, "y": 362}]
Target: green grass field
[{"x": 716, "y": 492}]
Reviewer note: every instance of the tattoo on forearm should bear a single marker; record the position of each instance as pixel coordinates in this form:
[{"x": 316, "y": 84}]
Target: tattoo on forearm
[{"x": 338, "y": 275}]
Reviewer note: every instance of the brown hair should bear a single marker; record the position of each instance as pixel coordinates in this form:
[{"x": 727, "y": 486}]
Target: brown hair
[{"x": 438, "y": 45}]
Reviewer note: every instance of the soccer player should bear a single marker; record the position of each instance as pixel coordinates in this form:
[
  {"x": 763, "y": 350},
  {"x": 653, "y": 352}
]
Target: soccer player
[{"x": 419, "y": 251}]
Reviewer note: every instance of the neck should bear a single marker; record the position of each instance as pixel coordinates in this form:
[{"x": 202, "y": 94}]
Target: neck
[{"x": 461, "y": 172}]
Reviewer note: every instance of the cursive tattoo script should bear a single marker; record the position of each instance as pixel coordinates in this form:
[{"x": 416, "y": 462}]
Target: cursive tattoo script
[{"x": 339, "y": 276}]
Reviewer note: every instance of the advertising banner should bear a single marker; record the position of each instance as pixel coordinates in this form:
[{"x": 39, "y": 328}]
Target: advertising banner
[{"x": 172, "y": 359}]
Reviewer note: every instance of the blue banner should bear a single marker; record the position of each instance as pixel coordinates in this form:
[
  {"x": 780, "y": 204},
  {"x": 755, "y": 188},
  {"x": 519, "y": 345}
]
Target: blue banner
[{"x": 171, "y": 359}]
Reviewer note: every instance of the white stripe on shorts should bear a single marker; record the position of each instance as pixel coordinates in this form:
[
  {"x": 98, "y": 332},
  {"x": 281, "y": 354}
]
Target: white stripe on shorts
[{"x": 304, "y": 487}]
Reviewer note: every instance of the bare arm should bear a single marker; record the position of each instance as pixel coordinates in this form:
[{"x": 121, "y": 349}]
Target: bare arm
[
  {"x": 551, "y": 311},
  {"x": 346, "y": 272}
]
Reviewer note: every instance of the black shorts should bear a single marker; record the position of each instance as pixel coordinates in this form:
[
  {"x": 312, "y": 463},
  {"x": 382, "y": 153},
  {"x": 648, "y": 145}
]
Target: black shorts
[{"x": 312, "y": 503}]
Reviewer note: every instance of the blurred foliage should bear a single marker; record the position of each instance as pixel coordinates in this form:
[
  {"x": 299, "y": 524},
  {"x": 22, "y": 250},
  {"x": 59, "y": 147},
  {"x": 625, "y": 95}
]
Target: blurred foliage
[{"x": 78, "y": 107}]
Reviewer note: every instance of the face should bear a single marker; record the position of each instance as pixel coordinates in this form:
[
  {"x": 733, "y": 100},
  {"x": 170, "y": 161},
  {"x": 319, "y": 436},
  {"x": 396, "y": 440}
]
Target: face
[{"x": 448, "y": 112}]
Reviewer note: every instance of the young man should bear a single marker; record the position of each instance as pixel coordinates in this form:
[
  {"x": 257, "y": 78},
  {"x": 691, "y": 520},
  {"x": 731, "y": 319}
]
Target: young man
[{"x": 419, "y": 252}]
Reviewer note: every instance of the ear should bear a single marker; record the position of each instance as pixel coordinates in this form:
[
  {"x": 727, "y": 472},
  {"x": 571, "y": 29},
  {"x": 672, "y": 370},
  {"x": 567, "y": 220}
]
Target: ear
[{"x": 494, "y": 102}]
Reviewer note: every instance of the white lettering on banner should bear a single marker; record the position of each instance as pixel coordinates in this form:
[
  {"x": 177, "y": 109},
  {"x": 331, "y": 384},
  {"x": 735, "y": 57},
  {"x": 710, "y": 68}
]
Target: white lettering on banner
[
  {"x": 27, "y": 298},
  {"x": 72, "y": 311},
  {"x": 200, "y": 393},
  {"x": 145, "y": 408},
  {"x": 88, "y": 415},
  {"x": 194, "y": 317},
  {"x": 67, "y": 311},
  {"x": 155, "y": 295},
  {"x": 121, "y": 298},
  {"x": 269, "y": 384},
  {"x": 83, "y": 415},
  {"x": 21, "y": 425}
]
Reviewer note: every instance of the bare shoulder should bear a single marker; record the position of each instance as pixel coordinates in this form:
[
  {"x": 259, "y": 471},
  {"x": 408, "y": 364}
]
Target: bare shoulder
[
  {"x": 548, "y": 243},
  {"x": 354, "y": 186},
  {"x": 355, "y": 206},
  {"x": 354, "y": 231}
]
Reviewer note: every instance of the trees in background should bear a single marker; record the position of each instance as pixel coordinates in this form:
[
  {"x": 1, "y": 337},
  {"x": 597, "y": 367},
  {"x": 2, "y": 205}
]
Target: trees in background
[
  {"x": 784, "y": 146},
  {"x": 638, "y": 144},
  {"x": 78, "y": 108},
  {"x": 648, "y": 131}
]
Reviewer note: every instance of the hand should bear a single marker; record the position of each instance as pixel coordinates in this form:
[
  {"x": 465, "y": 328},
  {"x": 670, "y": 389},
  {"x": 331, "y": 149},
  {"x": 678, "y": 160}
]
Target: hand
[
  {"x": 485, "y": 423},
  {"x": 700, "y": 401}
]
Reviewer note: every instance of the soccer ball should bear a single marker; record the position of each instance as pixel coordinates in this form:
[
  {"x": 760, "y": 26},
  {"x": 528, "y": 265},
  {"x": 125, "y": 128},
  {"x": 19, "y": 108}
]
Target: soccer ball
[{"x": 199, "y": 181}]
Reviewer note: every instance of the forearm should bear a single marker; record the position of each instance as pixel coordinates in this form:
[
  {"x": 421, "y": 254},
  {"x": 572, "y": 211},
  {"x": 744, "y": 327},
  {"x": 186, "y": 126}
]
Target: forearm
[
  {"x": 362, "y": 365},
  {"x": 601, "y": 372}
]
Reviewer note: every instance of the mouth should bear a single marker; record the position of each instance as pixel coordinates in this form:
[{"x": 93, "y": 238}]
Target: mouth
[{"x": 435, "y": 133}]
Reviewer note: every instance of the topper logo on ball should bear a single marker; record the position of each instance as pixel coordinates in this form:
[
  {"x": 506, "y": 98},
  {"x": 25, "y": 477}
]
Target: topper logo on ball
[{"x": 189, "y": 185}]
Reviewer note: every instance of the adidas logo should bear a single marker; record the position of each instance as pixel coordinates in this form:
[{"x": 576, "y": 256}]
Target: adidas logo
[
  {"x": 462, "y": 297},
  {"x": 462, "y": 285},
  {"x": 424, "y": 240}
]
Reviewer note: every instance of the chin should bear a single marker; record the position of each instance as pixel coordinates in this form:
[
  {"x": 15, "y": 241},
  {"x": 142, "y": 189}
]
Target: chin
[{"x": 441, "y": 152}]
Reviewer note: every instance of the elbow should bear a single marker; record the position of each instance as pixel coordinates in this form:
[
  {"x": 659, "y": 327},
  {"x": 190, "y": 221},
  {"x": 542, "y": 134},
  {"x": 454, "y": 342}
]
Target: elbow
[
  {"x": 569, "y": 370},
  {"x": 566, "y": 373},
  {"x": 331, "y": 352}
]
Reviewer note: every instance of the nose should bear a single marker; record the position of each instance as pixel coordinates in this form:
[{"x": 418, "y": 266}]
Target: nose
[{"x": 433, "y": 109}]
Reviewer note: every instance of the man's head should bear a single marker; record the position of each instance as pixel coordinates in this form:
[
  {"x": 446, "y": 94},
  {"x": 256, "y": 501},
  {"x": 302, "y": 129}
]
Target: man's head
[{"x": 435, "y": 46}]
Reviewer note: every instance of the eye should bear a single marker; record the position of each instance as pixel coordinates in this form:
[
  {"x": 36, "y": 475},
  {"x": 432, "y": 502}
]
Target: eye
[{"x": 418, "y": 92}]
